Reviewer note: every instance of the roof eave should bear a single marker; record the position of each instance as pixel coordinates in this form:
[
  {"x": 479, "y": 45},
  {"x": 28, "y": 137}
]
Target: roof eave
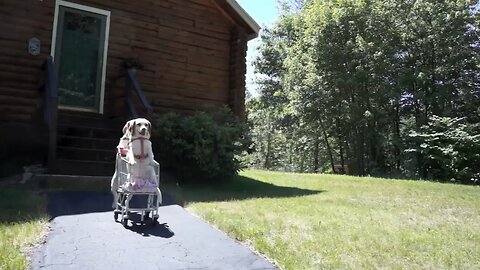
[{"x": 246, "y": 17}]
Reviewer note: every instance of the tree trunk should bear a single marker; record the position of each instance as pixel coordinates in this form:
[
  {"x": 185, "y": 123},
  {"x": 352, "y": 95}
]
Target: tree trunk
[
  {"x": 342, "y": 161},
  {"x": 302, "y": 162},
  {"x": 290, "y": 157},
  {"x": 359, "y": 151},
  {"x": 348, "y": 150},
  {"x": 316, "y": 145},
  {"x": 329, "y": 149},
  {"x": 340, "y": 144},
  {"x": 369, "y": 131},
  {"x": 266, "y": 165},
  {"x": 396, "y": 143},
  {"x": 420, "y": 119}
]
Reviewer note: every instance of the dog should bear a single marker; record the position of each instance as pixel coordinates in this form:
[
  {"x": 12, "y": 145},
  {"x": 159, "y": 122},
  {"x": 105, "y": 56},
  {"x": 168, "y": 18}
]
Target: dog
[
  {"x": 141, "y": 159},
  {"x": 135, "y": 146},
  {"x": 140, "y": 150}
]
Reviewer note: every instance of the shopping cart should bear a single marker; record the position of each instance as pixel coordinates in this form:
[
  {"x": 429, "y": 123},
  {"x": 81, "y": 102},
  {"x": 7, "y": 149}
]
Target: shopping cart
[{"x": 129, "y": 186}]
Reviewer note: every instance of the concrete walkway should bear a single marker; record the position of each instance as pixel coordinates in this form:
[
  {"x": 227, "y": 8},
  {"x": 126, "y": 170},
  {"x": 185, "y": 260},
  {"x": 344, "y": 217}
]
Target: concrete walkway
[{"x": 93, "y": 240}]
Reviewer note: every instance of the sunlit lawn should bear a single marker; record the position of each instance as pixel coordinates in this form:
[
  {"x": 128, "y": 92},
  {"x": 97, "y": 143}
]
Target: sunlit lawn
[
  {"x": 305, "y": 221},
  {"x": 22, "y": 222}
]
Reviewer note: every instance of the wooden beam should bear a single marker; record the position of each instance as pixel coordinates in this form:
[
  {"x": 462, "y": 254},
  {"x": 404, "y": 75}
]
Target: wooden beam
[{"x": 222, "y": 10}]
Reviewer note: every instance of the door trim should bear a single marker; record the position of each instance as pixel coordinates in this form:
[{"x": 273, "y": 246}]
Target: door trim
[{"x": 106, "y": 13}]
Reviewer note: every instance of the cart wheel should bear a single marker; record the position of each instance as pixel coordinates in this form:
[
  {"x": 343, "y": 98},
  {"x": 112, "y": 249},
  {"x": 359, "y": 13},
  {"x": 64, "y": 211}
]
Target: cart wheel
[
  {"x": 115, "y": 216},
  {"x": 125, "y": 222}
]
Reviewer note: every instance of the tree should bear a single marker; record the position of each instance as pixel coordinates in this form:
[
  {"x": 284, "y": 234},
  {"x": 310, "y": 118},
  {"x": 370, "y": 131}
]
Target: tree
[
  {"x": 451, "y": 147},
  {"x": 357, "y": 77}
]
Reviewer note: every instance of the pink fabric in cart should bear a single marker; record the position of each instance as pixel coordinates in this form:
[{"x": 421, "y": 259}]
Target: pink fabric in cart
[{"x": 141, "y": 184}]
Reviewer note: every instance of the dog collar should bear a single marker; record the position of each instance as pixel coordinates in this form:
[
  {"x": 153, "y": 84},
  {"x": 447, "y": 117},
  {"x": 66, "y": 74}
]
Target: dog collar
[
  {"x": 142, "y": 154},
  {"x": 139, "y": 138}
]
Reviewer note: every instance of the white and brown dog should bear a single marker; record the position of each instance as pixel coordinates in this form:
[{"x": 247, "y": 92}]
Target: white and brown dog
[
  {"x": 135, "y": 146},
  {"x": 140, "y": 154},
  {"x": 140, "y": 157}
]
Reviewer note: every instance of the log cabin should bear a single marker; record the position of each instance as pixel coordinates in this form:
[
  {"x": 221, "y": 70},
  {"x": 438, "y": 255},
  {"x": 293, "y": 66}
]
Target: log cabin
[{"x": 72, "y": 72}]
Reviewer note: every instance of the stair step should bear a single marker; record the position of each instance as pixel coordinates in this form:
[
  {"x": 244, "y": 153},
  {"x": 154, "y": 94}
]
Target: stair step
[
  {"x": 89, "y": 143},
  {"x": 84, "y": 167},
  {"x": 72, "y": 182},
  {"x": 89, "y": 115},
  {"x": 75, "y": 153},
  {"x": 89, "y": 132},
  {"x": 86, "y": 143},
  {"x": 89, "y": 120},
  {"x": 82, "y": 122}
]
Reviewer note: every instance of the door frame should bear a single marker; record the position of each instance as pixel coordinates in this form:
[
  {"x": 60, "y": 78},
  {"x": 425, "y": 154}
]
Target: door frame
[{"x": 98, "y": 11}]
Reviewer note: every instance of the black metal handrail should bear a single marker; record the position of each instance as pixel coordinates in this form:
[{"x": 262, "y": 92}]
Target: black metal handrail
[
  {"x": 50, "y": 108},
  {"x": 133, "y": 82}
]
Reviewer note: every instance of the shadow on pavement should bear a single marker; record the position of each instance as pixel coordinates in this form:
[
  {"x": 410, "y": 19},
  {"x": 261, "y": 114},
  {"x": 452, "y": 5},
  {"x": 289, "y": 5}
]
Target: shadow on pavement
[
  {"x": 61, "y": 203},
  {"x": 147, "y": 230}
]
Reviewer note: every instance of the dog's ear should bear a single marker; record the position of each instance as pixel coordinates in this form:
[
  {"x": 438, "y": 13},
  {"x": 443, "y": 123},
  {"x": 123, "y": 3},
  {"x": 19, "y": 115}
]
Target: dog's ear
[
  {"x": 126, "y": 127},
  {"x": 132, "y": 128},
  {"x": 149, "y": 129}
]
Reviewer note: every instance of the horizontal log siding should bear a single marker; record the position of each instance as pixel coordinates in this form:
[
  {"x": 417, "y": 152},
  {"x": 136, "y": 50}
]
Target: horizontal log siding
[
  {"x": 20, "y": 72},
  {"x": 184, "y": 45}
]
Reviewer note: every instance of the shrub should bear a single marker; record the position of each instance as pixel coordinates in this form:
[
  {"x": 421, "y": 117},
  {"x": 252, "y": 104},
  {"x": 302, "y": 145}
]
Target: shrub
[{"x": 203, "y": 147}]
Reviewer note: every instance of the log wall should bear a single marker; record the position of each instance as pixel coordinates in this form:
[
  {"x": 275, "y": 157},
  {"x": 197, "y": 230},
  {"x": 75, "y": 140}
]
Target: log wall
[{"x": 192, "y": 54}]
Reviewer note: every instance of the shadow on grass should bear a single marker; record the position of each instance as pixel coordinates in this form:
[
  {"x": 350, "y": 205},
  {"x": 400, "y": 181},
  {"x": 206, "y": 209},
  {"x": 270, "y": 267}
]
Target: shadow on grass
[
  {"x": 239, "y": 188},
  {"x": 20, "y": 204}
]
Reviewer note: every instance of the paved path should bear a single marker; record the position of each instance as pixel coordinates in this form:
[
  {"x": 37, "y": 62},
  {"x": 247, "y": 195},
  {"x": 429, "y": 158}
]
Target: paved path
[{"x": 93, "y": 240}]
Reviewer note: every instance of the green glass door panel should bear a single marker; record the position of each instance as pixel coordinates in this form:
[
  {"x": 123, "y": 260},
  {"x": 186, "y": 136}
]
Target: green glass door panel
[{"x": 79, "y": 58}]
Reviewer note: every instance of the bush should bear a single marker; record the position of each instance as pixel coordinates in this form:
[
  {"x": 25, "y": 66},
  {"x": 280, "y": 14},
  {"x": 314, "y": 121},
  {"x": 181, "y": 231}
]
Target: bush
[{"x": 203, "y": 147}]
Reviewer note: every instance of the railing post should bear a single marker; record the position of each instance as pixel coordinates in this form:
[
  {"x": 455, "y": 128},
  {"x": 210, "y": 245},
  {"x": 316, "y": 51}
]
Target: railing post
[
  {"x": 131, "y": 66},
  {"x": 128, "y": 95},
  {"x": 51, "y": 110}
]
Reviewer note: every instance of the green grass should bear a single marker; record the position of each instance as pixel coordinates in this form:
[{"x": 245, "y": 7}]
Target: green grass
[
  {"x": 303, "y": 221},
  {"x": 22, "y": 222}
]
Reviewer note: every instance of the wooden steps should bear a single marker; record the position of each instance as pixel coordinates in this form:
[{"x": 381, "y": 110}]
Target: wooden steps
[
  {"x": 84, "y": 167},
  {"x": 86, "y": 144},
  {"x": 71, "y": 182}
]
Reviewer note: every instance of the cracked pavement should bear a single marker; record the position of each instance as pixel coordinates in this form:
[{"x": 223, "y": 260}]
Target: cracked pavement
[{"x": 93, "y": 240}]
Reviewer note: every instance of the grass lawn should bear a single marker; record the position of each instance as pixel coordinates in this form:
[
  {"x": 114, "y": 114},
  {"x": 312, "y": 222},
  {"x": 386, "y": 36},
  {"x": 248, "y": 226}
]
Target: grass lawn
[
  {"x": 304, "y": 221},
  {"x": 22, "y": 222}
]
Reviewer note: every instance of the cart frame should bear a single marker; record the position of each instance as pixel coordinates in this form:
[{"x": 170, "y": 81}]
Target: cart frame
[{"x": 122, "y": 208}]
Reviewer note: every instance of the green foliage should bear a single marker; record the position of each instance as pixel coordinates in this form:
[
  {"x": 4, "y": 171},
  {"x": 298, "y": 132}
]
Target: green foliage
[
  {"x": 451, "y": 147},
  {"x": 203, "y": 147},
  {"x": 357, "y": 77}
]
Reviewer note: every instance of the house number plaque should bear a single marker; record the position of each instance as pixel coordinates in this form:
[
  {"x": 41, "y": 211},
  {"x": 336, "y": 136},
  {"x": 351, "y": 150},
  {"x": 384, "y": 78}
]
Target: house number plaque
[{"x": 34, "y": 46}]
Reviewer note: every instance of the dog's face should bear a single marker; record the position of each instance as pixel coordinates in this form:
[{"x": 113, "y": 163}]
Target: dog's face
[{"x": 140, "y": 127}]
